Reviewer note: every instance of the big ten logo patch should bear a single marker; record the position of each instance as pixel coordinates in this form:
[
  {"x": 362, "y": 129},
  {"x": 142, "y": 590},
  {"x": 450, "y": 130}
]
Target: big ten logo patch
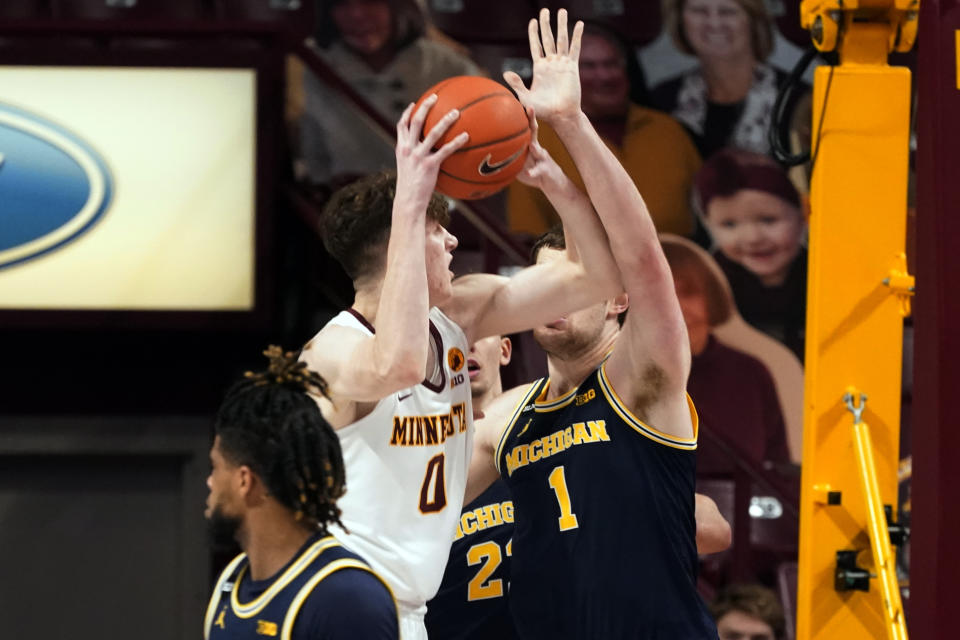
[
  {"x": 456, "y": 360},
  {"x": 584, "y": 398}
]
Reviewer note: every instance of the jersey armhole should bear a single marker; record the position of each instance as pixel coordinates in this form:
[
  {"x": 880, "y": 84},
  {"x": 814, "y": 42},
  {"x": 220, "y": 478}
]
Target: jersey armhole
[{"x": 638, "y": 425}]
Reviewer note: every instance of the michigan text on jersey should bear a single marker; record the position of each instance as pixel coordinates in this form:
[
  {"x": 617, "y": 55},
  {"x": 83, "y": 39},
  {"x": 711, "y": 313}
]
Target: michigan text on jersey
[
  {"x": 491, "y": 515},
  {"x": 576, "y": 434},
  {"x": 423, "y": 431}
]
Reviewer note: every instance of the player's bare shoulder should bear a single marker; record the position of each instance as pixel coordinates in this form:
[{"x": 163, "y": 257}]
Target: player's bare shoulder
[
  {"x": 496, "y": 416},
  {"x": 326, "y": 353}
]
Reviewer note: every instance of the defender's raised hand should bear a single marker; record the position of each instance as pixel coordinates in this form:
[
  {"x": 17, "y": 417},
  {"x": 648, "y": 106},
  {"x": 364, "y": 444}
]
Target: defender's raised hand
[
  {"x": 417, "y": 163},
  {"x": 555, "y": 90}
]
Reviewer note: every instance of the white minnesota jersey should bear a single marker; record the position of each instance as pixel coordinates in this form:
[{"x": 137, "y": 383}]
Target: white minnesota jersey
[{"x": 406, "y": 467}]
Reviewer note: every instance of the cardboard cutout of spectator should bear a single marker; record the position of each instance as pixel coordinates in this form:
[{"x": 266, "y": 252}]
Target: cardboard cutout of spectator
[
  {"x": 728, "y": 98},
  {"x": 734, "y": 392},
  {"x": 753, "y": 214}
]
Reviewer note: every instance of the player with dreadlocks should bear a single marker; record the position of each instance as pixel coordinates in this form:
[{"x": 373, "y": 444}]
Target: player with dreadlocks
[{"x": 277, "y": 472}]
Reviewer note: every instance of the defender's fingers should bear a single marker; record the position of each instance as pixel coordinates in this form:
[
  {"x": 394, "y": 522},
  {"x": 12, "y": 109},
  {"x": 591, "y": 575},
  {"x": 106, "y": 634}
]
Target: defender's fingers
[
  {"x": 516, "y": 83},
  {"x": 532, "y": 119},
  {"x": 546, "y": 35},
  {"x": 563, "y": 38},
  {"x": 441, "y": 128},
  {"x": 416, "y": 124},
  {"x": 575, "y": 41},
  {"x": 450, "y": 148},
  {"x": 533, "y": 35}
]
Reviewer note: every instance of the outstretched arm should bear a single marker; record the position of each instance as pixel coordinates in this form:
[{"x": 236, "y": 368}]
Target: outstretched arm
[
  {"x": 486, "y": 305},
  {"x": 650, "y": 365},
  {"x": 361, "y": 368}
]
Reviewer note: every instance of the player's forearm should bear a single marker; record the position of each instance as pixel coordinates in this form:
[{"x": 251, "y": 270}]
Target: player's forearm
[
  {"x": 586, "y": 239},
  {"x": 614, "y": 195},
  {"x": 400, "y": 346}
]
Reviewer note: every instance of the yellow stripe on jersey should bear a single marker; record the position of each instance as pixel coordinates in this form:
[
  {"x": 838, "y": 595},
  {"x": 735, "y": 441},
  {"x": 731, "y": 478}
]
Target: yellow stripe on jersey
[
  {"x": 541, "y": 406},
  {"x": 217, "y": 591},
  {"x": 688, "y": 444},
  {"x": 513, "y": 420},
  {"x": 252, "y": 608},
  {"x": 307, "y": 589}
]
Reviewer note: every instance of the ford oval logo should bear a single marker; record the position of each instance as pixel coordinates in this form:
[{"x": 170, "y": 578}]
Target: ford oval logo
[{"x": 53, "y": 186}]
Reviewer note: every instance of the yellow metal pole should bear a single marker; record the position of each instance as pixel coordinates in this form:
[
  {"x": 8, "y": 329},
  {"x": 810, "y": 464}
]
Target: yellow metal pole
[
  {"x": 877, "y": 524},
  {"x": 857, "y": 295}
]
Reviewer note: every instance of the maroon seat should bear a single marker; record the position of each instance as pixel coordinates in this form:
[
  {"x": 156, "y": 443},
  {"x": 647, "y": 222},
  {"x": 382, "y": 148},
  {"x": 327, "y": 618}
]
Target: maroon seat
[
  {"x": 787, "y": 587},
  {"x": 637, "y": 21},
  {"x": 764, "y": 529},
  {"x": 297, "y": 15},
  {"x": 470, "y": 21},
  {"x": 135, "y": 11}
]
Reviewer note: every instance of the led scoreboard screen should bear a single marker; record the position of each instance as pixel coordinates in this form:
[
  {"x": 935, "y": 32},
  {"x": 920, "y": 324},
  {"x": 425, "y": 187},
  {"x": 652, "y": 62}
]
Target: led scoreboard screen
[{"x": 127, "y": 188}]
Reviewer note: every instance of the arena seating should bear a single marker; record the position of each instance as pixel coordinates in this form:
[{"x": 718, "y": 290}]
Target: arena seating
[
  {"x": 135, "y": 10},
  {"x": 490, "y": 21},
  {"x": 25, "y": 9},
  {"x": 495, "y": 58},
  {"x": 638, "y": 22},
  {"x": 297, "y": 15},
  {"x": 787, "y": 587}
]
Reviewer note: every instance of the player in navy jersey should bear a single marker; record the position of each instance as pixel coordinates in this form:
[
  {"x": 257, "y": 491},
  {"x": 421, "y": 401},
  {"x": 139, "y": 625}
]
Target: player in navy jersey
[
  {"x": 277, "y": 473},
  {"x": 394, "y": 361},
  {"x": 600, "y": 456},
  {"x": 471, "y": 603}
]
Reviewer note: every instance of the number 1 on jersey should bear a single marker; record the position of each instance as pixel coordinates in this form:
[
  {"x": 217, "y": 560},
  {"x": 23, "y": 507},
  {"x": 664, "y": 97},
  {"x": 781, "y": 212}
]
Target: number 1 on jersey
[{"x": 558, "y": 482}]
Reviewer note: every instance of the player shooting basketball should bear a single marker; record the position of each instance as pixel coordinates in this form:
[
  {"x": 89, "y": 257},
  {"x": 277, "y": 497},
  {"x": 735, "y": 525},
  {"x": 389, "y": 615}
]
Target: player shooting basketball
[
  {"x": 600, "y": 456},
  {"x": 395, "y": 361}
]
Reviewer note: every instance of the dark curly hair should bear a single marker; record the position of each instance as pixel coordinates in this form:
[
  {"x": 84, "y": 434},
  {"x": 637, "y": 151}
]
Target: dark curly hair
[
  {"x": 356, "y": 222},
  {"x": 270, "y": 423}
]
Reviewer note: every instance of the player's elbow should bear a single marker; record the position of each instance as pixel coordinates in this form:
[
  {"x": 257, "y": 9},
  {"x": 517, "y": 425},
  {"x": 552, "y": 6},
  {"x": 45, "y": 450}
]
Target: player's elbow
[
  {"x": 401, "y": 374},
  {"x": 713, "y": 535},
  {"x": 397, "y": 369}
]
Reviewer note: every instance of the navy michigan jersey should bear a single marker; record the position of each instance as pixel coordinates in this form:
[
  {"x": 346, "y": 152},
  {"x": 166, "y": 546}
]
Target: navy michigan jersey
[
  {"x": 472, "y": 601},
  {"x": 325, "y": 592},
  {"x": 604, "y": 542}
]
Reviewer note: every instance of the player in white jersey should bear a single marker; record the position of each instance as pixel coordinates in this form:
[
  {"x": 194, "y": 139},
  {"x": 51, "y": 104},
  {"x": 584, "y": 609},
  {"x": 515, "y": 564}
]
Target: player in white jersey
[{"x": 395, "y": 362}]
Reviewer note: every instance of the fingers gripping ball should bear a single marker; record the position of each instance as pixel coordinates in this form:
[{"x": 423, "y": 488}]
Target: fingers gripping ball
[{"x": 499, "y": 136}]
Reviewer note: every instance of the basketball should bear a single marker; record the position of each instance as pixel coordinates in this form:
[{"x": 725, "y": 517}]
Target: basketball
[{"x": 499, "y": 136}]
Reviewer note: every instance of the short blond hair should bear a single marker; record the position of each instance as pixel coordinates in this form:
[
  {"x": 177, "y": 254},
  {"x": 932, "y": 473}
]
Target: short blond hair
[{"x": 761, "y": 29}]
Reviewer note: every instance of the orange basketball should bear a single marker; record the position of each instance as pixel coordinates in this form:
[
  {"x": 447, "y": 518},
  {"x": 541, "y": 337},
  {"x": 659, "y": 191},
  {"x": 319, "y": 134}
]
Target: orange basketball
[{"x": 499, "y": 136}]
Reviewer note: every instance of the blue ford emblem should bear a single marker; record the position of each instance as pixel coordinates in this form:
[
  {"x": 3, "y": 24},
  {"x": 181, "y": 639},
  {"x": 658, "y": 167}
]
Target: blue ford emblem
[{"x": 54, "y": 186}]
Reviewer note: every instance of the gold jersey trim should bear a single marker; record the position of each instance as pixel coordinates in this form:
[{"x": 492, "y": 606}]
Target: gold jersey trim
[
  {"x": 534, "y": 388},
  {"x": 542, "y": 406},
  {"x": 307, "y": 589},
  {"x": 252, "y": 608},
  {"x": 215, "y": 598},
  {"x": 687, "y": 444}
]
